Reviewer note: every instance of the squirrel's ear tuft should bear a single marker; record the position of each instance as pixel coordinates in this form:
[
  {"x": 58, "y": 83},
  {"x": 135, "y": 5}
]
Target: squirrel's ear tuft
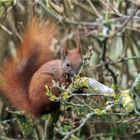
[
  {"x": 64, "y": 52},
  {"x": 78, "y": 44},
  {"x": 79, "y": 50}
]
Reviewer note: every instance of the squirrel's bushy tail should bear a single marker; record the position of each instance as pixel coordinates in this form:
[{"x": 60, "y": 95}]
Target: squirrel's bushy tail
[{"x": 17, "y": 72}]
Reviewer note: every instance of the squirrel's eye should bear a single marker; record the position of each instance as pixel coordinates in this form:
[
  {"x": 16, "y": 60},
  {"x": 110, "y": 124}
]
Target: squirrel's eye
[{"x": 68, "y": 65}]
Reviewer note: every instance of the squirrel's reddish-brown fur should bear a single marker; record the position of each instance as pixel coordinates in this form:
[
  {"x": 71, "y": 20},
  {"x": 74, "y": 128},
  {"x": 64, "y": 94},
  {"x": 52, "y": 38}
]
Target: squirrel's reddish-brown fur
[{"x": 24, "y": 78}]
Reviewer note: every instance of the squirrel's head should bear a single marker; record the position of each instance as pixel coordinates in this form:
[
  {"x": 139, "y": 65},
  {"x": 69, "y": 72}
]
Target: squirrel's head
[{"x": 71, "y": 61}]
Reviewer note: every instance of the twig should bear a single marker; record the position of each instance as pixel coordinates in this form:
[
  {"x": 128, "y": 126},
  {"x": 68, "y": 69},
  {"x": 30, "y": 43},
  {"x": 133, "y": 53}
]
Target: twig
[
  {"x": 83, "y": 7},
  {"x": 103, "y": 58},
  {"x": 67, "y": 20},
  {"x": 109, "y": 6},
  {"x": 50, "y": 123},
  {"x": 73, "y": 104},
  {"x": 5, "y": 29},
  {"x": 123, "y": 60},
  {"x": 94, "y": 9},
  {"x": 80, "y": 126},
  {"x": 87, "y": 94},
  {"x": 117, "y": 61},
  {"x": 88, "y": 106},
  {"x": 125, "y": 23}
]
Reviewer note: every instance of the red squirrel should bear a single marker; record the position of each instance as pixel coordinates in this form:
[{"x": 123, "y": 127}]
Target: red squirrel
[{"x": 24, "y": 78}]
